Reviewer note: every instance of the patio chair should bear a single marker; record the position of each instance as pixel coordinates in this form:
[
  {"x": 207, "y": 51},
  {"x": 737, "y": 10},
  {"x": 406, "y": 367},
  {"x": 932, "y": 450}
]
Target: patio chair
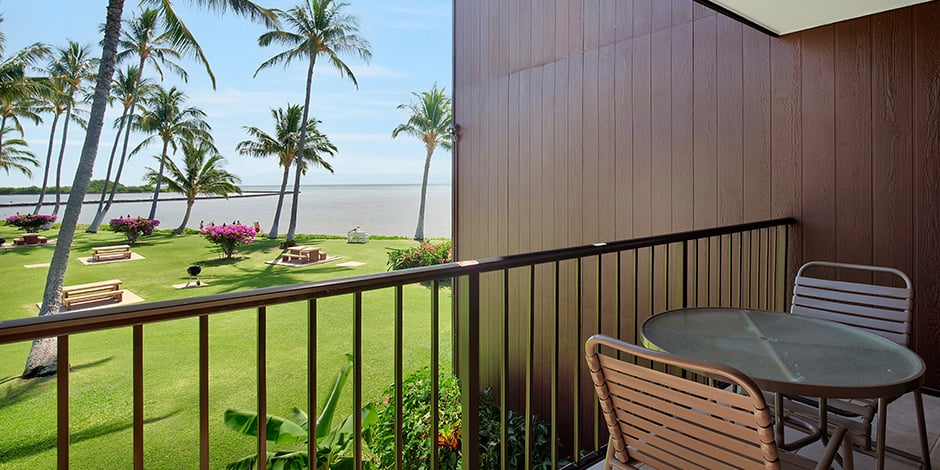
[
  {"x": 664, "y": 420},
  {"x": 881, "y": 306}
]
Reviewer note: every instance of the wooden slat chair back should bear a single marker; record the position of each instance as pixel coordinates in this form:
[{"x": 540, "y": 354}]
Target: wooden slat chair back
[
  {"x": 663, "y": 420},
  {"x": 883, "y": 309}
]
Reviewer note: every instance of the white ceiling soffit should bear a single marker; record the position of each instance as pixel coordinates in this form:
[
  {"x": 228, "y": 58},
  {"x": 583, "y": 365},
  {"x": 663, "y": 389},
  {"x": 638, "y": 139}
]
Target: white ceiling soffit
[{"x": 788, "y": 16}]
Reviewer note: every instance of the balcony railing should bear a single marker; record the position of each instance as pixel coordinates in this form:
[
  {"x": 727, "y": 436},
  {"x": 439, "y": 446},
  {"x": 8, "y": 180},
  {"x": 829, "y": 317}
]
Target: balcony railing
[{"x": 520, "y": 323}]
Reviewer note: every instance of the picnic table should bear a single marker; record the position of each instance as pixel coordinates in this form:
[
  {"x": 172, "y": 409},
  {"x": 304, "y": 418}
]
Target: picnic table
[
  {"x": 112, "y": 252},
  {"x": 303, "y": 254}
]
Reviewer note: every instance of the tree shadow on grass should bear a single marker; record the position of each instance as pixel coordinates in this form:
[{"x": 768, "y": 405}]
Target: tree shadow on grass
[
  {"x": 49, "y": 443},
  {"x": 18, "y": 391}
]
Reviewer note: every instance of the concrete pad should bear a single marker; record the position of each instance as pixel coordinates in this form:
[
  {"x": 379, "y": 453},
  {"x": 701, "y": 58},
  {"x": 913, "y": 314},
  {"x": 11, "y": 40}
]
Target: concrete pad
[
  {"x": 278, "y": 262},
  {"x": 129, "y": 298},
  {"x": 90, "y": 261},
  {"x": 40, "y": 265},
  {"x": 190, "y": 285},
  {"x": 350, "y": 264}
]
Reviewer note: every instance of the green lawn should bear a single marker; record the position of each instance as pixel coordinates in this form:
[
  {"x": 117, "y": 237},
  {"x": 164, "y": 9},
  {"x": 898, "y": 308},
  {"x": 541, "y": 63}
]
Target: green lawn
[{"x": 101, "y": 379}]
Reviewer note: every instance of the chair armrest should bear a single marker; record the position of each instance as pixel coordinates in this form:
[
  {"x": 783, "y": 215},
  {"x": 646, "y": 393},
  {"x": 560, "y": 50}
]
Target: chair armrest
[{"x": 837, "y": 439}]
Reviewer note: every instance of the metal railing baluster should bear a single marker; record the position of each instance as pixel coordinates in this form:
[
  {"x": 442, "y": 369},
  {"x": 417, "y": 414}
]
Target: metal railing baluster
[{"x": 262, "y": 385}]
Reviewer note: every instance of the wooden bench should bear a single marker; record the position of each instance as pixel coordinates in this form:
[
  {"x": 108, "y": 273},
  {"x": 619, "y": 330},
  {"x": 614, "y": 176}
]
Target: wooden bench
[
  {"x": 92, "y": 292},
  {"x": 304, "y": 254},
  {"x": 104, "y": 253}
]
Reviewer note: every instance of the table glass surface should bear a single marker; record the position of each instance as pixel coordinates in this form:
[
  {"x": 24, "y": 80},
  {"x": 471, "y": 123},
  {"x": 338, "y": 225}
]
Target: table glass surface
[{"x": 783, "y": 351}]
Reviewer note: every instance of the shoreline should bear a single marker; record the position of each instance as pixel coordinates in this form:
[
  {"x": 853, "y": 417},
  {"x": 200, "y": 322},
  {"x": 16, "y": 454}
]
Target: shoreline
[{"x": 149, "y": 199}]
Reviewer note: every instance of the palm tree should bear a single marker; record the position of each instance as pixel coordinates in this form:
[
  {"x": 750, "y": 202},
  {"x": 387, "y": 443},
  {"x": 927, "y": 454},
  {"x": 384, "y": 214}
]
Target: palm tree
[
  {"x": 284, "y": 145},
  {"x": 13, "y": 156},
  {"x": 320, "y": 28},
  {"x": 166, "y": 117},
  {"x": 42, "y": 355},
  {"x": 201, "y": 173},
  {"x": 17, "y": 90},
  {"x": 53, "y": 101},
  {"x": 431, "y": 121},
  {"x": 72, "y": 68},
  {"x": 145, "y": 39}
]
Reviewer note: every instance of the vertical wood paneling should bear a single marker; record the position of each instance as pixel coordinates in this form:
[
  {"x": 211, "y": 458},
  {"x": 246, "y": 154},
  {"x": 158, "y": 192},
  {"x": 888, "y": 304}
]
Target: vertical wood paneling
[
  {"x": 661, "y": 131},
  {"x": 853, "y": 141},
  {"x": 575, "y": 165},
  {"x": 892, "y": 143},
  {"x": 661, "y": 15},
  {"x": 607, "y": 33},
  {"x": 606, "y": 143},
  {"x": 642, "y": 137},
  {"x": 927, "y": 186},
  {"x": 591, "y": 24},
  {"x": 786, "y": 142},
  {"x": 819, "y": 174},
  {"x": 730, "y": 121},
  {"x": 623, "y": 120},
  {"x": 624, "y": 13},
  {"x": 705, "y": 123},
  {"x": 575, "y": 27},
  {"x": 681, "y": 12},
  {"x": 562, "y": 19},
  {"x": 756, "y": 125},
  {"x": 590, "y": 156},
  {"x": 524, "y": 23},
  {"x": 682, "y": 104},
  {"x": 590, "y": 120},
  {"x": 642, "y": 17}
]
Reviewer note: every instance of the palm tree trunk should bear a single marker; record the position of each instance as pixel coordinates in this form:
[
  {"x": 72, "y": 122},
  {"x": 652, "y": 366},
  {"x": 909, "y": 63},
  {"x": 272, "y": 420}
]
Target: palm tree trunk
[
  {"x": 189, "y": 209},
  {"x": 93, "y": 228},
  {"x": 419, "y": 231},
  {"x": 300, "y": 152},
  {"x": 42, "y": 358},
  {"x": 156, "y": 189},
  {"x": 99, "y": 217},
  {"x": 280, "y": 204},
  {"x": 58, "y": 167},
  {"x": 45, "y": 173}
]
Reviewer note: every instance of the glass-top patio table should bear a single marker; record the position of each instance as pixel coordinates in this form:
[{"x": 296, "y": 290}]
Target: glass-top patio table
[{"x": 791, "y": 354}]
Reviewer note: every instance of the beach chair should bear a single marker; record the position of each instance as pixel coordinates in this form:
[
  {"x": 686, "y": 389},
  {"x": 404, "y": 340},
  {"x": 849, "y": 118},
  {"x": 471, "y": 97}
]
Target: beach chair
[
  {"x": 880, "y": 304},
  {"x": 664, "y": 420}
]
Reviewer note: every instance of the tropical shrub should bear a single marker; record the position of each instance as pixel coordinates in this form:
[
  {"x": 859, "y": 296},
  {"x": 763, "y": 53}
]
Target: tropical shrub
[
  {"x": 228, "y": 237},
  {"x": 134, "y": 227},
  {"x": 416, "y": 425},
  {"x": 425, "y": 254},
  {"x": 30, "y": 222},
  {"x": 335, "y": 446}
]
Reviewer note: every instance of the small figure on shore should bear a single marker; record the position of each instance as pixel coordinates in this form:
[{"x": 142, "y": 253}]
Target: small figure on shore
[
  {"x": 201, "y": 225},
  {"x": 257, "y": 227}
]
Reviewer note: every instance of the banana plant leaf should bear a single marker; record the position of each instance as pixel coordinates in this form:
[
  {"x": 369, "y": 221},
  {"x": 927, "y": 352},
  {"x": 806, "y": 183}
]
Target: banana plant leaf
[
  {"x": 278, "y": 430},
  {"x": 329, "y": 408}
]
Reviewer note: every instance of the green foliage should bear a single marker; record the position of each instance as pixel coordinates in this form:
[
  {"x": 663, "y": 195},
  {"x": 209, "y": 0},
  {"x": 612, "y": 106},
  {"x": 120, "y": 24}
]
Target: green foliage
[
  {"x": 425, "y": 254},
  {"x": 335, "y": 445},
  {"x": 94, "y": 186},
  {"x": 490, "y": 453},
  {"x": 416, "y": 439},
  {"x": 416, "y": 427}
]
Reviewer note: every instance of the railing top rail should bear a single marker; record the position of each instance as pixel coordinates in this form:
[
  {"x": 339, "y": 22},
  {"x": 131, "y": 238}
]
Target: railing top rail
[{"x": 25, "y": 329}]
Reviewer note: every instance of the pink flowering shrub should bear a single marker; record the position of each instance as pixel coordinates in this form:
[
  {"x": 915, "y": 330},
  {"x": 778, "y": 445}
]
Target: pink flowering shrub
[
  {"x": 30, "y": 222},
  {"x": 228, "y": 237},
  {"x": 425, "y": 254},
  {"x": 134, "y": 227}
]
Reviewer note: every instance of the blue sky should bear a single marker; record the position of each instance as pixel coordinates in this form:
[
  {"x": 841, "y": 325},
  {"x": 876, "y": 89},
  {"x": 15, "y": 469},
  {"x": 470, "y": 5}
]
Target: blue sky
[{"x": 411, "y": 46}]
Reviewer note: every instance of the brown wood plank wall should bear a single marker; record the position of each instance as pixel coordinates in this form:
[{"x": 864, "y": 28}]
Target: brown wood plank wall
[{"x": 591, "y": 120}]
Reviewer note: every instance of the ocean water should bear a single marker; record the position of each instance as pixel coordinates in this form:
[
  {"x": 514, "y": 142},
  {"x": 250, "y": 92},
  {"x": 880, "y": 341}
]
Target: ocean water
[{"x": 325, "y": 209}]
